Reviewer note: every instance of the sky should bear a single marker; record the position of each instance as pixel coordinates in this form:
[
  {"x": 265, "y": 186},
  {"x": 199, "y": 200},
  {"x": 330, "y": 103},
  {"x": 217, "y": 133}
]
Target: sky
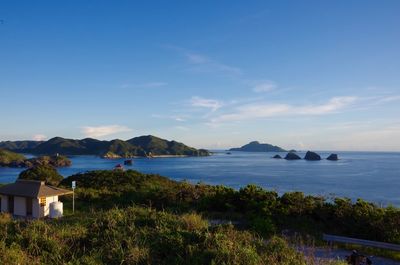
[{"x": 307, "y": 75}]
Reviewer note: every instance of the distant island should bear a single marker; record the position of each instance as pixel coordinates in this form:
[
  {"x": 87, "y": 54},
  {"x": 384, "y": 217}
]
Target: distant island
[
  {"x": 11, "y": 159},
  {"x": 256, "y": 146},
  {"x": 143, "y": 146}
]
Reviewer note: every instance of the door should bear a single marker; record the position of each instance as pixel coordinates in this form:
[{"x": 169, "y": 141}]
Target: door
[
  {"x": 29, "y": 206},
  {"x": 11, "y": 204}
]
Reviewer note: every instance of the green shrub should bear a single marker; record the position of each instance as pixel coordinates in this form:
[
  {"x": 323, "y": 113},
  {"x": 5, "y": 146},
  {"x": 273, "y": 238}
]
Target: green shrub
[{"x": 45, "y": 173}]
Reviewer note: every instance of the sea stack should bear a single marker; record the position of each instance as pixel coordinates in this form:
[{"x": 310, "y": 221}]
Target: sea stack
[
  {"x": 333, "y": 157},
  {"x": 277, "y": 157},
  {"x": 312, "y": 156},
  {"x": 292, "y": 156}
]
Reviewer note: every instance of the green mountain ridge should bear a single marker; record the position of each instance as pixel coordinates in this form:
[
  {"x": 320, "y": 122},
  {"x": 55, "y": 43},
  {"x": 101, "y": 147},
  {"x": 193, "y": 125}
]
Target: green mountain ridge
[
  {"x": 256, "y": 146},
  {"x": 19, "y": 145},
  {"x": 139, "y": 146}
]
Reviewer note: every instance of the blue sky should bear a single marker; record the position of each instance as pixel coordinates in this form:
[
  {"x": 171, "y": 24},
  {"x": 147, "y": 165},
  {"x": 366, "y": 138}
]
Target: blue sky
[{"x": 321, "y": 75}]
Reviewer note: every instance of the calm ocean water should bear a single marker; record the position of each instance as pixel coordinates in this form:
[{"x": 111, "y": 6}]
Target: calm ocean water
[{"x": 369, "y": 175}]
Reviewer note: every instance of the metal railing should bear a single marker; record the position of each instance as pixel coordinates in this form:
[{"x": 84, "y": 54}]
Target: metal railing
[{"x": 362, "y": 242}]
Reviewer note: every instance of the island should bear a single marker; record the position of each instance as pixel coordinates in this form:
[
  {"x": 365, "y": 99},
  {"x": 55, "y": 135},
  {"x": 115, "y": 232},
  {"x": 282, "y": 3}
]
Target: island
[
  {"x": 292, "y": 156},
  {"x": 333, "y": 157},
  {"x": 256, "y": 146},
  {"x": 143, "y": 146},
  {"x": 312, "y": 156},
  {"x": 12, "y": 159}
]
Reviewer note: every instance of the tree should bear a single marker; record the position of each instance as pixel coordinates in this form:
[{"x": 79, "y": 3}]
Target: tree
[{"x": 45, "y": 173}]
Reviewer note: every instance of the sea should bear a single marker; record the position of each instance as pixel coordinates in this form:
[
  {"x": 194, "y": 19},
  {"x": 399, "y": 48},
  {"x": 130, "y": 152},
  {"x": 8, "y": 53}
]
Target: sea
[{"x": 372, "y": 176}]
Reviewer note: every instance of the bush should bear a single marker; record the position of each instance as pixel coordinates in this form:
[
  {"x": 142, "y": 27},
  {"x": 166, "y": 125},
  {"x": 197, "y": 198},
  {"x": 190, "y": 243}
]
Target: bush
[{"x": 45, "y": 173}]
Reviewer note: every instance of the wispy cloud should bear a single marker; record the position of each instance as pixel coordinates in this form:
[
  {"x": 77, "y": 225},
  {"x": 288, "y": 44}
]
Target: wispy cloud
[
  {"x": 145, "y": 85},
  {"x": 179, "y": 118},
  {"x": 101, "y": 131},
  {"x": 196, "y": 58},
  {"x": 391, "y": 98},
  {"x": 39, "y": 137},
  {"x": 270, "y": 110},
  {"x": 211, "y": 104},
  {"x": 203, "y": 63},
  {"x": 264, "y": 86}
]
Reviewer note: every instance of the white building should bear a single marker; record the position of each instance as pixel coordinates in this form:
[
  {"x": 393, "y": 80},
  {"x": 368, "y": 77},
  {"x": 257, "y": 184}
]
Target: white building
[{"x": 29, "y": 198}]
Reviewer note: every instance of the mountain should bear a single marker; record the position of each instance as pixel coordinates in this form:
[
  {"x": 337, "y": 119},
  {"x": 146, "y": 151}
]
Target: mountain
[
  {"x": 157, "y": 146},
  {"x": 139, "y": 146},
  {"x": 64, "y": 146},
  {"x": 258, "y": 147},
  {"x": 19, "y": 145}
]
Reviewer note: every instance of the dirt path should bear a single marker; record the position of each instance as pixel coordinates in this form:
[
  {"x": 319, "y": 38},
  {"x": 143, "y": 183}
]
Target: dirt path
[{"x": 320, "y": 254}]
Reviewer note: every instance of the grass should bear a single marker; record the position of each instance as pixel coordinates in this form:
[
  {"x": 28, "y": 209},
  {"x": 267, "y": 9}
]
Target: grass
[{"x": 126, "y": 217}]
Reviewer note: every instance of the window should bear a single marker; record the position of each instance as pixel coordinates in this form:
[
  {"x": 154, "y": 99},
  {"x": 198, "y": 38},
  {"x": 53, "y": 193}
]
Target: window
[{"x": 42, "y": 201}]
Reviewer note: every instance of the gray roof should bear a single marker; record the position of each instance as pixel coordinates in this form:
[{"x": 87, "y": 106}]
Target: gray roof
[{"x": 32, "y": 188}]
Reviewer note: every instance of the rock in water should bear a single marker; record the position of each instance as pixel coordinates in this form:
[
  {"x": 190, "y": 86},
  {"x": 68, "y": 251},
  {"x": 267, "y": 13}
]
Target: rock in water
[
  {"x": 277, "y": 156},
  {"x": 312, "y": 156},
  {"x": 333, "y": 157},
  {"x": 292, "y": 156}
]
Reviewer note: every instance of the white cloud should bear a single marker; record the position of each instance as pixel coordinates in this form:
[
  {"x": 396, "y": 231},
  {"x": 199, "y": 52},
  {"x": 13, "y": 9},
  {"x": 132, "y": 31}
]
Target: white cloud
[
  {"x": 39, "y": 137},
  {"x": 212, "y": 104},
  {"x": 257, "y": 111},
  {"x": 332, "y": 105},
  {"x": 179, "y": 119},
  {"x": 100, "y": 131},
  {"x": 265, "y": 86}
]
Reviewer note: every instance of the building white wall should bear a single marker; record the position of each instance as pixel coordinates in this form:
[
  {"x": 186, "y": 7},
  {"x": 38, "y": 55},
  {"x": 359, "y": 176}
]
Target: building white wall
[
  {"x": 19, "y": 206},
  {"x": 45, "y": 210},
  {"x": 4, "y": 203}
]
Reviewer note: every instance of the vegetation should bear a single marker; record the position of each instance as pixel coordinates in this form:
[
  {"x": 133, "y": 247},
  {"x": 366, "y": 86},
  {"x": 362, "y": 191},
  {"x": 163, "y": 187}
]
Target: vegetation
[
  {"x": 136, "y": 235},
  {"x": 140, "y": 146},
  {"x": 8, "y": 158},
  {"x": 126, "y": 217},
  {"x": 257, "y": 147},
  {"x": 260, "y": 210},
  {"x": 11, "y": 159},
  {"x": 45, "y": 173},
  {"x": 20, "y": 146}
]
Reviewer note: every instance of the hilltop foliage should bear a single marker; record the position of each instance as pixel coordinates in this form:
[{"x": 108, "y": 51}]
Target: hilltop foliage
[
  {"x": 11, "y": 159},
  {"x": 45, "y": 173},
  {"x": 8, "y": 158},
  {"x": 139, "y": 146},
  {"x": 20, "y": 146},
  {"x": 256, "y": 146},
  {"x": 261, "y": 210}
]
